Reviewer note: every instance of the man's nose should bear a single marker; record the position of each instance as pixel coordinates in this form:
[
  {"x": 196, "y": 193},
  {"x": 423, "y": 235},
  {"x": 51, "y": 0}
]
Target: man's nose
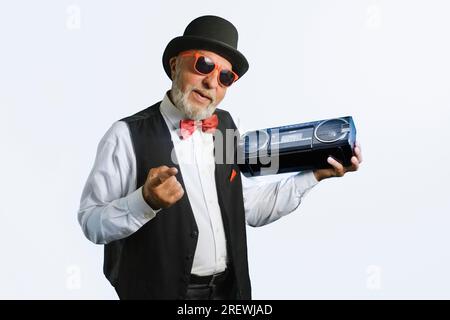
[{"x": 210, "y": 81}]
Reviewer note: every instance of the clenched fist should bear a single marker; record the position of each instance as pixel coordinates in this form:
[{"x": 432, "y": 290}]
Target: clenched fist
[{"x": 162, "y": 189}]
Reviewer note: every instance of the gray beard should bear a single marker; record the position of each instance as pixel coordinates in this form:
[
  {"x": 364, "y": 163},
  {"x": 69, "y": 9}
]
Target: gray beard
[{"x": 180, "y": 100}]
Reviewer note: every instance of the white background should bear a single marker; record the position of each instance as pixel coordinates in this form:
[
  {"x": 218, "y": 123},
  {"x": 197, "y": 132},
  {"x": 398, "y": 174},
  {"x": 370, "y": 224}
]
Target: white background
[{"x": 69, "y": 69}]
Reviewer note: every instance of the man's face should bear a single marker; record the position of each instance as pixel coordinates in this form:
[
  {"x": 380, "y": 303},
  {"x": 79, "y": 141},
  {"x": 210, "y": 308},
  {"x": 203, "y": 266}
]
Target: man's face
[{"x": 195, "y": 94}]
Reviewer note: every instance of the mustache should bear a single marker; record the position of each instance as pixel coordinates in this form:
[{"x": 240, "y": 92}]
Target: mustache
[{"x": 210, "y": 95}]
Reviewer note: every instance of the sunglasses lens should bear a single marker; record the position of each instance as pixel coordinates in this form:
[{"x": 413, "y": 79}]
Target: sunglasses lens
[
  {"x": 226, "y": 77},
  {"x": 204, "y": 65}
]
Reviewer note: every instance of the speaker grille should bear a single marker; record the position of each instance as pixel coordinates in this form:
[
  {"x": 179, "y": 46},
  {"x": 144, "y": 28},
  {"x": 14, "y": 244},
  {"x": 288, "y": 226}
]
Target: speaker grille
[{"x": 332, "y": 130}]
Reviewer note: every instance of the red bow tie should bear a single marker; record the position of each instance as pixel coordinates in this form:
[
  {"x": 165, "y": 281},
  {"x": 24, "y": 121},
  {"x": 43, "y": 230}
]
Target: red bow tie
[{"x": 187, "y": 126}]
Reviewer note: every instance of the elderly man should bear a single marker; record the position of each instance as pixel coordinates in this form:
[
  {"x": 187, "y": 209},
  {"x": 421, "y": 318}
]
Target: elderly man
[{"x": 171, "y": 217}]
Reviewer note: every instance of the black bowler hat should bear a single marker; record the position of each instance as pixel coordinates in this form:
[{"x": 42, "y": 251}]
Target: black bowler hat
[{"x": 210, "y": 33}]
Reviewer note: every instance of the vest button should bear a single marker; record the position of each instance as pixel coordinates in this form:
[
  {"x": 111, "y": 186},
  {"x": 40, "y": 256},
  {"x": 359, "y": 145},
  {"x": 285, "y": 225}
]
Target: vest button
[
  {"x": 194, "y": 234},
  {"x": 189, "y": 257}
]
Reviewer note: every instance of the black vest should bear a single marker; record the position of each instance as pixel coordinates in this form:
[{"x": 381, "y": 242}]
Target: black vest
[{"x": 155, "y": 262}]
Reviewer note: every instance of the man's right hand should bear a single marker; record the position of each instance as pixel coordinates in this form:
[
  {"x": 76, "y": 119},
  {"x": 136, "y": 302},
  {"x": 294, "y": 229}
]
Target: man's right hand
[{"x": 162, "y": 189}]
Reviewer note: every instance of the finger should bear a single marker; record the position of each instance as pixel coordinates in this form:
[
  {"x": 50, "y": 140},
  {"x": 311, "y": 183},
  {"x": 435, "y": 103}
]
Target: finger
[
  {"x": 338, "y": 167},
  {"x": 153, "y": 177},
  {"x": 355, "y": 164},
  {"x": 174, "y": 193},
  {"x": 358, "y": 154},
  {"x": 336, "y": 164},
  {"x": 166, "y": 173},
  {"x": 177, "y": 195},
  {"x": 170, "y": 184},
  {"x": 358, "y": 151}
]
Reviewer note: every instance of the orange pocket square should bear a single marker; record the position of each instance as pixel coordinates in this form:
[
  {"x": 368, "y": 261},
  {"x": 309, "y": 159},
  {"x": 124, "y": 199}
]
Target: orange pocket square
[{"x": 233, "y": 175}]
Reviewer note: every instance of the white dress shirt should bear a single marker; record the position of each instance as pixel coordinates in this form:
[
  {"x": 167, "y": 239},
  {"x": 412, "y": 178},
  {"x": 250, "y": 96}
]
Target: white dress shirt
[{"x": 111, "y": 207}]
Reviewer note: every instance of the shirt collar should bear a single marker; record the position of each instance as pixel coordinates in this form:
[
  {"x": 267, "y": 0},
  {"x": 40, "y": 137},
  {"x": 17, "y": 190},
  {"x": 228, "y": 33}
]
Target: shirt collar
[{"x": 170, "y": 112}]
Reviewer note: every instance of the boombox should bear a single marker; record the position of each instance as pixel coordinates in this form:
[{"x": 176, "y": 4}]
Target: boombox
[{"x": 296, "y": 147}]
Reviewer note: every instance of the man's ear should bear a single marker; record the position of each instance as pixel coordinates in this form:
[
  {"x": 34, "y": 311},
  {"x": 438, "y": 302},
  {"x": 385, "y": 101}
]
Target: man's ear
[{"x": 172, "y": 64}]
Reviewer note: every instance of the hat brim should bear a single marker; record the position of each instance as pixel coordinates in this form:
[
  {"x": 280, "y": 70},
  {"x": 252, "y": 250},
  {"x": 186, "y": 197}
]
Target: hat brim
[{"x": 183, "y": 43}]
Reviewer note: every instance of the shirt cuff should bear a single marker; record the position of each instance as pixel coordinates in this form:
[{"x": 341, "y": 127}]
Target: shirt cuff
[
  {"x": 139, "y": 208},
  {"x": 305, "y": 181}
]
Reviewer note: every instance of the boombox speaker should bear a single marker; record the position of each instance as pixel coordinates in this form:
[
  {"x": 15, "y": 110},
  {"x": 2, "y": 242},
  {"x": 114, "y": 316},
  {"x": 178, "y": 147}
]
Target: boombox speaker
[{"x": 297, "y": 147}]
